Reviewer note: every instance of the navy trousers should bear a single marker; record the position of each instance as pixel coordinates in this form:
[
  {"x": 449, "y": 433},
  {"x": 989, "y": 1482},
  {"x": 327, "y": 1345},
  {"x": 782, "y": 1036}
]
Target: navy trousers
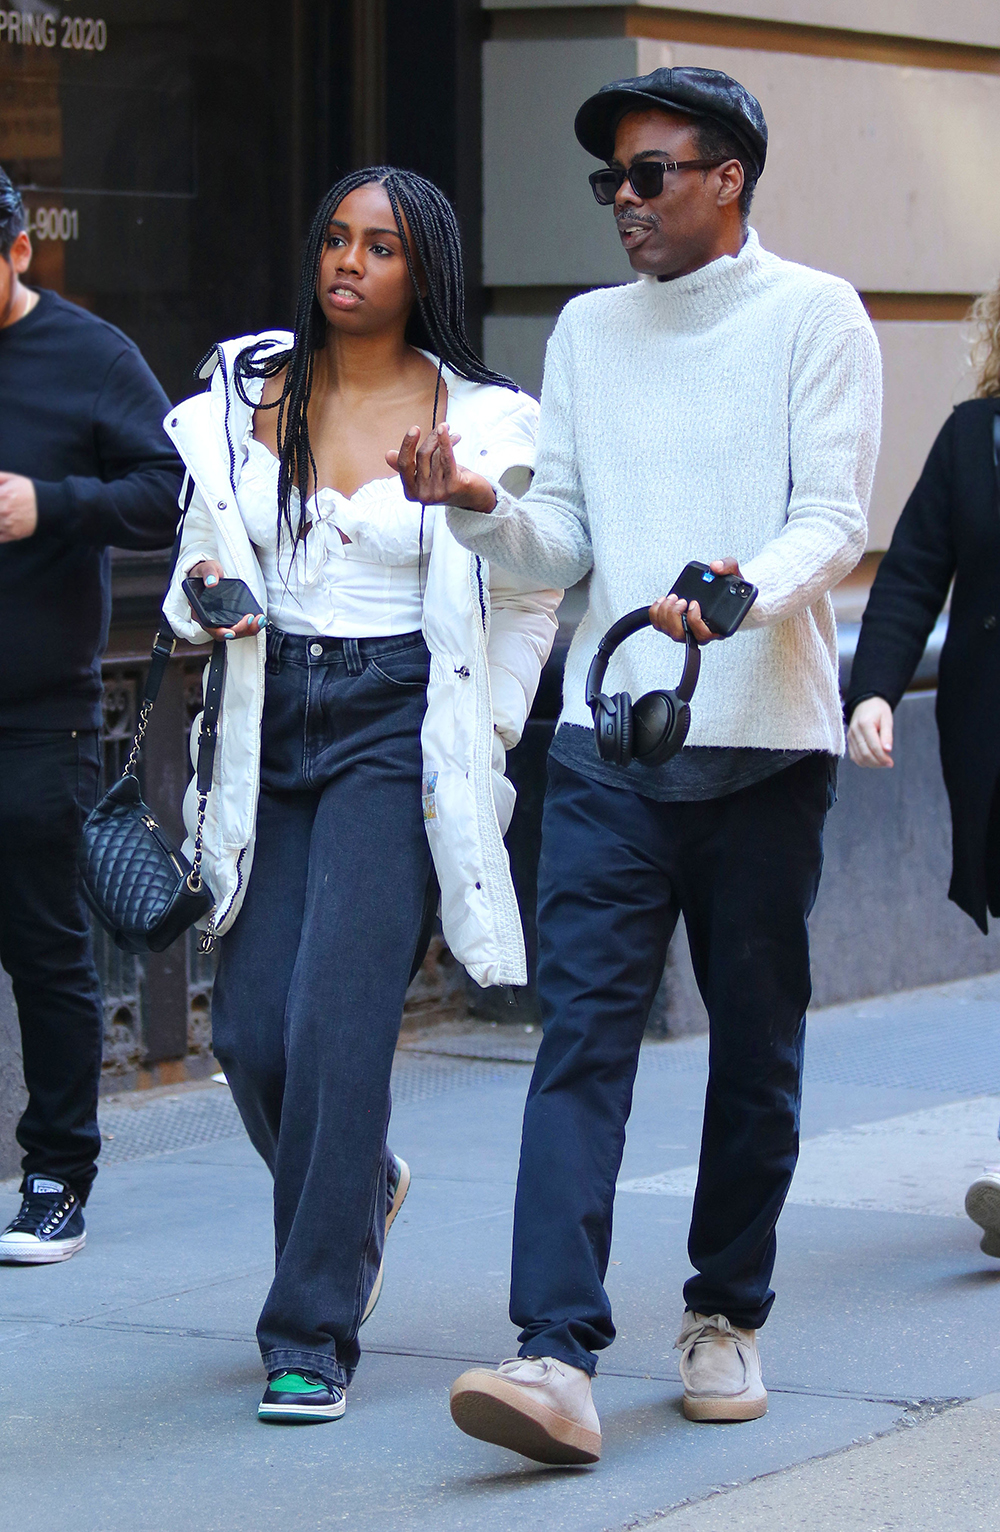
[{"x": 616, "y": 870}]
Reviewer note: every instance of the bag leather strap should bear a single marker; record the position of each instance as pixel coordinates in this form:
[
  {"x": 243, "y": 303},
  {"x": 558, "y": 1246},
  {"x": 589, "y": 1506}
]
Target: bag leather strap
[
  {"x": 163, "y": 647},
  {"x": 209, "y": 735},
  {"x": 166, "y": 640}
]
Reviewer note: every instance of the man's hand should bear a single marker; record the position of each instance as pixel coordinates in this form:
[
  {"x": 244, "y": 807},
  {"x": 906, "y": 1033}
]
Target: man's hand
[
  {"x": 869, "y": 738},
  {"x": 431, "y": 476},
  {"x": 18, "y": 508},
  {"x": 666, "y": 613}
]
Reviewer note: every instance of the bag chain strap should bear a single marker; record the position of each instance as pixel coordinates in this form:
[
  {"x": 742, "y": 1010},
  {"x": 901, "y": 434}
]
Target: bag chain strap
[
  {"x": 163, "y": 647},
  {"x": 207, "y": 740},
  {"x": 140, "y": 734},
  {"x": 206, "y": 941}
]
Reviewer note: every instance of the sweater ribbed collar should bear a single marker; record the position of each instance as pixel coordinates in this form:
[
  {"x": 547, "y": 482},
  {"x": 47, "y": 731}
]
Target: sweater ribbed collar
[{"x": 698, "y": 300}]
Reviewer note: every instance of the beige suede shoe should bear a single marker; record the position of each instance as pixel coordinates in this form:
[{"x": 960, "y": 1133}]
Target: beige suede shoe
[
  {"x": 533, "y": 1405},
  {"x": 982, "y": 1203},
  {"x": 720, "y": 1370}
]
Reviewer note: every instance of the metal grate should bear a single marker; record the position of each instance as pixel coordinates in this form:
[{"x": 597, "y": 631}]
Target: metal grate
[
  {"x": 134, "y": 1130},
  {"x": 422, "y": 1078},
  {"x": 935, "y": 1041},
  {"x": 940, "y": 1043},
  {"x": 952, "y": 1047},
  {"x": 168, "y": 1123}
]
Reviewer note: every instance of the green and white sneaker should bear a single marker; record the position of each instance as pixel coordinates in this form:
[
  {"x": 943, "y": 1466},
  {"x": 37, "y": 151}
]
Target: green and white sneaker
[
  {"x": 301, "y": 1396},
  {"x": 396, "y": 1188}
]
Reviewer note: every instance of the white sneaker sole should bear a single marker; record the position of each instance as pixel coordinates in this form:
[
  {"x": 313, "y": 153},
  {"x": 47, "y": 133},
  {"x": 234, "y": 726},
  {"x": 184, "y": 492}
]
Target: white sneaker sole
[
  {"x": 402, "y": 1187},
  {"x": 28, "y": 1251},
  {"x": 493, "y": 1410},
  {"x": 301, "y": 1412},
  {"x": 982, "y": 1203},
  {"x": 723, "y": 1409}
]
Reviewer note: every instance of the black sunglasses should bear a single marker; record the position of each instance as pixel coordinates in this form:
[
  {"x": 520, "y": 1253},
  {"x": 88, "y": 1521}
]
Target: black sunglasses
[{"x": 645, "y": 177}]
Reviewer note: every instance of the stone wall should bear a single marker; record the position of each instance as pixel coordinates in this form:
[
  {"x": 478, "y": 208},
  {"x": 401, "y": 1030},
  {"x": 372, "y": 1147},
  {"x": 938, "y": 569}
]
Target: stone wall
[
  {"x": 897, "y": 211},
  {"x": 12, "y": 1095},
  {"x": 883, "y": 921}
]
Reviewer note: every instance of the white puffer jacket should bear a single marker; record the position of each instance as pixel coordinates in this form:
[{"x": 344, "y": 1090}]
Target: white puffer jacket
[{"x": 488, "y": 634}]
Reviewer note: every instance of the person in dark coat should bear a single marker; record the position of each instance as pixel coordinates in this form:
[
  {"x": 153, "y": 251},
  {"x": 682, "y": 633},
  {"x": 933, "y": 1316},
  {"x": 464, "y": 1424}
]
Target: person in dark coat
[
  {"x": 85, "y": 466},
  {"x": 949, "y": 531}
]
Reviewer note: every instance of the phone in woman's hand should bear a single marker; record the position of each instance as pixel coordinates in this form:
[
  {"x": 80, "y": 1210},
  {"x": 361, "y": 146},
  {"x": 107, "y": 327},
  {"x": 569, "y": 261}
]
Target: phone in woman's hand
[{"x": 222, "y": 605}]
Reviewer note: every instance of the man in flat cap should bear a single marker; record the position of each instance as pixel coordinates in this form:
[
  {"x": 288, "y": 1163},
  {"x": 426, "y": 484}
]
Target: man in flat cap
[{"x": 722, "y": 408}]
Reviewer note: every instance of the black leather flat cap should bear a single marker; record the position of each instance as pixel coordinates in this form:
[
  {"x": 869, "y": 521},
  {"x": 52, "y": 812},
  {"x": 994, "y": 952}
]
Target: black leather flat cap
[{"x": 697, "y": 92}]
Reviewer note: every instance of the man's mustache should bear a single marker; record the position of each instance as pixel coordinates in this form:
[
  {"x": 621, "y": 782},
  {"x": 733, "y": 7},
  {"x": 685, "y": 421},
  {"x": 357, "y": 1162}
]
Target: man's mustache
[{"x": 649, "y": 220}]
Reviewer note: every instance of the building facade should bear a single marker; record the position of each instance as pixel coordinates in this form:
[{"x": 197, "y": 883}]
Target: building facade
[{"x": 883, "y": 165}]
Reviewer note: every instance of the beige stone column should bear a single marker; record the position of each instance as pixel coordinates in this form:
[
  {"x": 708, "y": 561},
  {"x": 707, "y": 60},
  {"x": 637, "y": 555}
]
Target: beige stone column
[
  {"x": 883, "y": 165},
  {"x": 12, "y": 1093}
]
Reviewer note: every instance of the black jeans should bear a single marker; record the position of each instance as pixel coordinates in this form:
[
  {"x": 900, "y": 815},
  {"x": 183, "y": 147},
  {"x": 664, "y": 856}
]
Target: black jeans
[
  {"x": 313, "y": 974},
  {"x": 48, "y": 783},
  {"x": 615, "y": 871}
]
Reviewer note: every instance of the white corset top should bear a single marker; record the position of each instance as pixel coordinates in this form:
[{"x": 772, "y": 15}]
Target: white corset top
[{"x": 368, "y": 587}]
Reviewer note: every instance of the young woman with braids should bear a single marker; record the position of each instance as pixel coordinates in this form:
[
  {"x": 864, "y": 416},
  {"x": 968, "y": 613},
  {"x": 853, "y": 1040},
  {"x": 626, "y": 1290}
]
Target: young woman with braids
[{"x": 364, "y": 722}]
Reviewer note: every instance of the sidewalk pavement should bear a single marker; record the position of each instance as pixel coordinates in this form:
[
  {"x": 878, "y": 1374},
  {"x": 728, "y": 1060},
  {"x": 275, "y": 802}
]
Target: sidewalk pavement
[{"x": 130, "y": 1375}]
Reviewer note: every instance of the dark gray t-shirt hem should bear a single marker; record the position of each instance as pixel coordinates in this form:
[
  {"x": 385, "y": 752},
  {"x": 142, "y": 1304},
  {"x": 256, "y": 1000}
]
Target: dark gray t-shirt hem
[{"x": 696, "y": 773}]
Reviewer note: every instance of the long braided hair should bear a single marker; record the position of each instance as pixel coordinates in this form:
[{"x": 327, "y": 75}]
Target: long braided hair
[{"x": 436, "y": 322}]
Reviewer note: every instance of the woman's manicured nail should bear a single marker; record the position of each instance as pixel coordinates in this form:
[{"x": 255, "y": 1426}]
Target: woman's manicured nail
[
  {"x": 211, "y": 579},
  {"x": 229, "y": 635}
]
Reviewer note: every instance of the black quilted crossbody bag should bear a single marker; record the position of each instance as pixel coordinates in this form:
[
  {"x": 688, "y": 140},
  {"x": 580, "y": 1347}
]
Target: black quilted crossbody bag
[{"x": 140, "y": 886}]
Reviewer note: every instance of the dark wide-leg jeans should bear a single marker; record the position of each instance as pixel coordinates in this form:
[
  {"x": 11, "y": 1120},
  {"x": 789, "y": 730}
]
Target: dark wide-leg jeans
[
  {"x": 48, "y": 785},
  {"x": 616, "y": 870},
  {"x": 313, "y": 974}
]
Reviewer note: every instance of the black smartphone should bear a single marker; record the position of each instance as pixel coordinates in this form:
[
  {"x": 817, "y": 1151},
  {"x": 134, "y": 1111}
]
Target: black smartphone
[
  {"x": 222, "y": 605},
  {"x": 724, "y": 600}
]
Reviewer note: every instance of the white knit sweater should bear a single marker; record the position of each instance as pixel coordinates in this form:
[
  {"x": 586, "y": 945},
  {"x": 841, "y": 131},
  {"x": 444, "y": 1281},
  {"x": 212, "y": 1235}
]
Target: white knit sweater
[{"x": 734, "y": 411}]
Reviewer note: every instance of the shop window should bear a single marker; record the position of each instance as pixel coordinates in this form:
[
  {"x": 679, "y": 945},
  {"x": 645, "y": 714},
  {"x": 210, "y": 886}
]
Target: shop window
[{"x": 151, "y": 145}]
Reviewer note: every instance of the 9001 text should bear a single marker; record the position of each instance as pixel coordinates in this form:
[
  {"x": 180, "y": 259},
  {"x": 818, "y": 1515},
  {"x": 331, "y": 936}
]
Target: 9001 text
[{"x": 53, "y": 223}]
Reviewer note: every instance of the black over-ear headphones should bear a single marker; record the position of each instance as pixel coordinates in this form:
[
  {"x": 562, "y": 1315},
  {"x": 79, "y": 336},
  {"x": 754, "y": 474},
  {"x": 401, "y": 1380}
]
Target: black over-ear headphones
[{"x": 652, "y": 729}]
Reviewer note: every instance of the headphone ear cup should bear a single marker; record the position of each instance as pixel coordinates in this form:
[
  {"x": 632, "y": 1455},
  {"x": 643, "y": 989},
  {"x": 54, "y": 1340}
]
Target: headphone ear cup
[
  {"x": 625, "y": 728},
  {"x": 653, "y": 719},
  {"x": 660, "y": 727}
]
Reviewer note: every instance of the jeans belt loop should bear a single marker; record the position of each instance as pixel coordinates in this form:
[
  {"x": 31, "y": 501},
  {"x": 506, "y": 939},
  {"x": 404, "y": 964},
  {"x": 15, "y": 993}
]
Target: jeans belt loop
[
  {"x": 275, "y": 639},
  {"x": 352, "y": 654}
]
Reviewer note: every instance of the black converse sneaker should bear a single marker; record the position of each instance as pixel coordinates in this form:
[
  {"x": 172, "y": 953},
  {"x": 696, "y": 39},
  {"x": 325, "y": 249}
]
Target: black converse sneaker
[
  {"x": 49, "y": 1226},
  {"x": 301, "y": 1396},
  {"x": 397, "y": 1184}
]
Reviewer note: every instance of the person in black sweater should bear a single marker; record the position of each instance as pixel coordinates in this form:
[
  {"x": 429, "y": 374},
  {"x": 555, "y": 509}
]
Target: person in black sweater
[
  {"x": 949, "y": 531},
  {"x": 84, "y": 465}
]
